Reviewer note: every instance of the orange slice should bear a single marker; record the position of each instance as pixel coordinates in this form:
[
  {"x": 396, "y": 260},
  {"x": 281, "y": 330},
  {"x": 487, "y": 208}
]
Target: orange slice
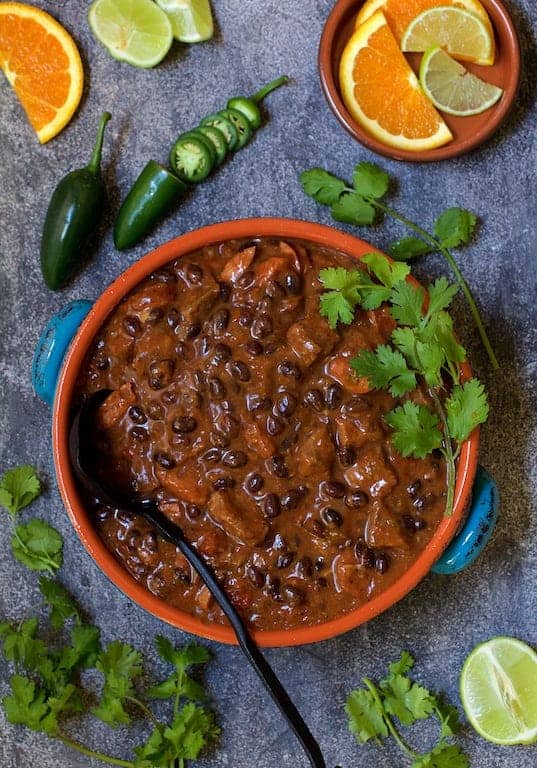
[
  {"x": 42, "y": 63},
  {"x": 399, "y": 13},
  {"x": 383, "y": 94}
]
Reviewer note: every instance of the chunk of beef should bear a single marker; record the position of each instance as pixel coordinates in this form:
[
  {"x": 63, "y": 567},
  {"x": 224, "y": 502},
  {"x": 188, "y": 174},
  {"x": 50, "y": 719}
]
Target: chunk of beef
[
  {"x": 244, "y": 528},
  {"x": 371, "y": 473},
  {"x": 384, "y": 529},
  {"x": 313, "y": 452},
  {"x": 237, "y": 265},
  {"x": 183, "y": 484},
  {"x": 115, "y": 406}
]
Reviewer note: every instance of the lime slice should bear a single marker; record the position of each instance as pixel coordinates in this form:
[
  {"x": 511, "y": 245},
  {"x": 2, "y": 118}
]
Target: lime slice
[
  {"x": 191, "y": 20},
  {"x": 136, "y": 31},
  {"x": 452, "y": 88},
  {"x": 499, "y": 691},
  {"x": 461, "y": 33}
]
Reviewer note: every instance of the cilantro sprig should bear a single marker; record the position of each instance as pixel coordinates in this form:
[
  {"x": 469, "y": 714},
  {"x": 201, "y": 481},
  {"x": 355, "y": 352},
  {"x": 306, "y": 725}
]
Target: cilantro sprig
[
  {"x": 46, "y": 687},
  {"x": 362, "y": 204},
  {"x": 374, "y": 710},
  {"x": 422, "y": 348}
]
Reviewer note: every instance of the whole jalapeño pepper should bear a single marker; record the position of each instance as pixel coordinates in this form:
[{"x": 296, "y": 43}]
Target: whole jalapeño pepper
[{"x": 73, "y": 215}]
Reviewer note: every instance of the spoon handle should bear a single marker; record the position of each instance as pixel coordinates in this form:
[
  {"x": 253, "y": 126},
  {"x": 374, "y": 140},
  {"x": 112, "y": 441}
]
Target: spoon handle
[{"x": 174, "y": 533}]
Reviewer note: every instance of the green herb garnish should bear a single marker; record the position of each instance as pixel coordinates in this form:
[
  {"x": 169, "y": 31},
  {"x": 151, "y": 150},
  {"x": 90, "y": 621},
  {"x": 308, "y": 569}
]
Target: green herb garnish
[
  {"x": 373, "y": 710},
  {"x": 361, "y": 204},
  {"x": 423, "y": 348}
]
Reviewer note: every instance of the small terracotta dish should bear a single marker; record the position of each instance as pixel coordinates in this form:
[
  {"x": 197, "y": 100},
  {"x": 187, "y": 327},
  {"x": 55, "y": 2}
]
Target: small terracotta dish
[{"x": 468, "y": 132}]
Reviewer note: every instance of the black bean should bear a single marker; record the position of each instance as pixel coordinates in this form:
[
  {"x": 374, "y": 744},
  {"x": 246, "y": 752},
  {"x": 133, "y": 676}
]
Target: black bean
[
  {"x": 225, "y": 291},
  {"x": 245, "y": 318},
  {"x": 137, "y": 415},
  {"x": 346, "y": 456},
  {"x": 247, "y": 279},
  {"x": 194, "y": 273},
  {"x": 257, "y": 402},
  {"x": 239, "y": 370},
  {"x": 234, "y": 459},
  {"x": 321, "y": 582},
  {"x": 382, "y": 562},
  {"x": 101, "y": 362},
  {"x": 291, "y": 499},
  {"x": 292, "y": 595},
  {"x": 331, "y": 516},
  {"x": 169, "y": 397},
  {"x": 205, "y": 345},
  {"x": 256, "y": 576},
  {"x": 163, "y": 276},
  {"x": 182, "y": 575},
  {"x": 174, "y": 318},
  {"x": 317, "y": 528},
  {"x": 155, "y": 384},
  {"x": 278, "y": 466},
  {"x": 274, "y": 586},
  {"x": 319, "y": 564},
  {"x": 420, "y": 502},
  {"x": 183, "y": 425},
  {"x": 165, "y": 460},
  {"x": 223, "y": 483},
  {"x": 288, "y": 442},
  {"x": 364, "y": 554},
  {"x": 216, "y": 388},
  {"x": 288, "y": 368},
  {"x": 155, "y": 411},
  {"x": 413, "y": 524},
  {"x": 270, "y": 348},
  {"x": 213, "y": 454},
  {"x": 356, "y": 499},
  {"x": 133, "y": 538},
  {"x": 333, "y": 396},
  {"x": 182, "y": 350},
  {"x": 272, "y": 289},
  {"x": 155, "y": 316},
  {"x": 261, "y": 327},
  {"x": 271, "y": 506},
  {"x": 286, "y": 404},
  {"x": 357, "y": 404},
  {"x": 149, "y": 542},
  {"x": 138, "y": 433},
  {"x": 220, "y": 320},
  {"x": 132, "y": 325},
  {"x": 333, "y": 489},
  {"x": 193, "y": 330},
  {"x": 275, "y": 425},
  {"x": 292, "y": 283},
  {"x": 222, "y": 353},
  {"x": 193, "y": 511},
  {"x": 199, "y": 377},
  {"x": 414, "y": 488},
  {"x": 102, "y": 514},
  {"x": 255, "y": 483},
  {"x": 305, "y": 567},
  {"x": 314, "y": 399},
  {"x": 254, "y": 348},
  {"x": 285, "y": 560},
  {"x": 162, "y": 371}
]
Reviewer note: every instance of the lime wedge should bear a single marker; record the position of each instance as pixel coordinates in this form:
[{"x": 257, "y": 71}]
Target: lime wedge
[
  {"x": 135, "y": 31},
  {"x": 191, "y": 20},
  {"x": 499, "y": 691},
  {"x": 452, "y": 88}
]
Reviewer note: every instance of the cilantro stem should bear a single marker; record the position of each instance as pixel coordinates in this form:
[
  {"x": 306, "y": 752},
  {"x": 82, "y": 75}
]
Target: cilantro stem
[
  {"x": 448, "y": 453},
  {"x": 147, "y": 712},
  {"x": 463, "y": 285},
  {"x": 48, "y": 563},
  {"x": 96, "y": 755},
  {"x": 387, "y": 719}
]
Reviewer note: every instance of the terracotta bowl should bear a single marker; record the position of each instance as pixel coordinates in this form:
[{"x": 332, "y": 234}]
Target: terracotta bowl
[
  {"x": 468, "y": 132},
  {"x": 73, "y": 500}
]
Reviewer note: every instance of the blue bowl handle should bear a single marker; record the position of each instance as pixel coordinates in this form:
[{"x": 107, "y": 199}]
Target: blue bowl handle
[
  {"x": 477, "y": 529},
  {"x": 53, "y": 343}
]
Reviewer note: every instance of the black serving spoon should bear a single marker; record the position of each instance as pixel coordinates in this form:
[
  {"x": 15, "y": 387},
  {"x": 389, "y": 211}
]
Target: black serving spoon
[{"x": 147, "y": 508}]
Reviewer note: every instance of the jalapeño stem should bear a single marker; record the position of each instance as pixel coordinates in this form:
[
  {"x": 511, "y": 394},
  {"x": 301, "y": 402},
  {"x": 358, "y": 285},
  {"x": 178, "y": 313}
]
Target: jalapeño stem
[
  {"x": 94, "y": 165},
  {"x": 268, "y": 88}
]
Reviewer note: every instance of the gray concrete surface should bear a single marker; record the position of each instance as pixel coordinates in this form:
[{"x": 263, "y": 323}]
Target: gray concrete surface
[{"x": 443, "y": 618}]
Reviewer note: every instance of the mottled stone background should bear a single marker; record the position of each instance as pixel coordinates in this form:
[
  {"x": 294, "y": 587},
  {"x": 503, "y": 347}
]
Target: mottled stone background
[{"x": 443, "y": 618}]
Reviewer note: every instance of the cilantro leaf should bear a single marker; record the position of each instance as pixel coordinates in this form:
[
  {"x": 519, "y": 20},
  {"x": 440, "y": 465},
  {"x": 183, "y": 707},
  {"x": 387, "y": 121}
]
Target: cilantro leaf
[
  {"x": 448, "y": 716},
  {"x": 83, "y": 651},
  {"x": 407, "y": 304},
  {"x": 38, "y": 546},
  {"x": 341, "y": 279},
  {"x": 21, "y": 645},
  {"x": 443, "y": 756},
  {"x": 353, "y": 209},
  {"x": 403, "y": 665},
  {"x": 385, "y": 368},
  {"x": 409, "y": 248},
  {"x": 365, "y": 719},
  {"x": 60, "y": 602},
  {"x": 18, "y": 488},
  {"x": 180, "y": 683},
  {"x": 441, "y": 295},
  {"x": 466, "y": 408},
  {"x": 454, "y": 227},
  {"x": 322, "y": 186},
  {"x": 338, "y": 304},
  {"x": 121, "y": 665},
  {"x": 431, "y": 358},
  {"x": 387, "y": 272},
  {"x": 416, "y": 430},
  {"x": 406, "y": 700},
  {"x": 440, "y": 329},
  {"x": 27, "y": 706},
  {"x": 370, "y": 181}
]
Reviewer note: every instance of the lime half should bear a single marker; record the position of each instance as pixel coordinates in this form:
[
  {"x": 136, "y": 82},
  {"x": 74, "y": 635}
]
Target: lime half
[
  {"x": 452, "y": 88},
  {"x": 135, "y": 31},
  {"x": 499, "y": 691},
  {"x": 191, "y": 20}
]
